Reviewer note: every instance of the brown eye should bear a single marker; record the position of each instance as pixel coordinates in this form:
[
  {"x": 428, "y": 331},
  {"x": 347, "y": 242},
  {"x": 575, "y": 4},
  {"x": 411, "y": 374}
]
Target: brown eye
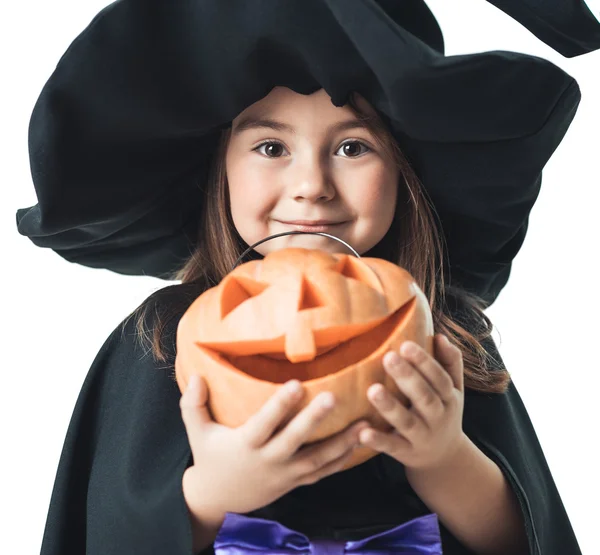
[
  {"x": 353, "y": 149},
  {"x": 271, "y": 149}
]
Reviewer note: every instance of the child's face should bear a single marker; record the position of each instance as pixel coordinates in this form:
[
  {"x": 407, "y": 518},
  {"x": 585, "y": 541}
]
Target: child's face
[{"x": 289, "y": 168}]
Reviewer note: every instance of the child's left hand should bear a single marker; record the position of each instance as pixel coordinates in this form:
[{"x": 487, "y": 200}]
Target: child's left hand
[{"x": 428, "y": 433}]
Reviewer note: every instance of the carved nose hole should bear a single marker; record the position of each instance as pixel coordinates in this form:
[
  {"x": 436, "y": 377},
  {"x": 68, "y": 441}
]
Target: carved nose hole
[{"x": 310, "y": 296}]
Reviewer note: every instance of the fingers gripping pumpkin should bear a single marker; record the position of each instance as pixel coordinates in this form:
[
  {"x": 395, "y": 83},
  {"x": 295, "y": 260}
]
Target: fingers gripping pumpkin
[{"x": 324, "y": 319}]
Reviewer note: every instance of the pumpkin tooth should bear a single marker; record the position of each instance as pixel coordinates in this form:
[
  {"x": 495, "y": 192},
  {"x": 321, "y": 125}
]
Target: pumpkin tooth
[{"x": 300, "y": 343}]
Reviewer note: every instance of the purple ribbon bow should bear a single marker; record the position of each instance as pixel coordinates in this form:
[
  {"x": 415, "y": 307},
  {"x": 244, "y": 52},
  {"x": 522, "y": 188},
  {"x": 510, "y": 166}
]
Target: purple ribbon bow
[{"x": 241, "y": 535}]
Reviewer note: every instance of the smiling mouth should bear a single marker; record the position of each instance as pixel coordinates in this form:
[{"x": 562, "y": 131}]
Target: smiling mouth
[{"x": 307, "y": 225}]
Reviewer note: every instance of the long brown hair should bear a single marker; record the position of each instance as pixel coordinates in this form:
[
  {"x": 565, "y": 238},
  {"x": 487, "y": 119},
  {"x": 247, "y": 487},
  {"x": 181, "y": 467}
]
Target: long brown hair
[{"x": 413, "y": 241}]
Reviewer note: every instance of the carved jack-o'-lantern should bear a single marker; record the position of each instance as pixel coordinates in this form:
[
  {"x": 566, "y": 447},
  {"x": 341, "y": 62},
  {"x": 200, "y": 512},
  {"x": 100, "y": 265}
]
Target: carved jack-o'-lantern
[{"x": 324, "y": 319}]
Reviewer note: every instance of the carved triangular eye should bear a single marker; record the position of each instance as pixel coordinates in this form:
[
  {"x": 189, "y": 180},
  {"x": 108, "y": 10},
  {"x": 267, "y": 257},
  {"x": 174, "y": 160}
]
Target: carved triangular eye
[
  {"x": 238, "y": 289},
  {"x": 310, "y": 296},
  {"x": 353, "y": 268}
]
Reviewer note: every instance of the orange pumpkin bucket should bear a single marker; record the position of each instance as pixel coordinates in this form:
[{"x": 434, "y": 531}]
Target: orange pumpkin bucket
[{"x": 324, "y": 319}]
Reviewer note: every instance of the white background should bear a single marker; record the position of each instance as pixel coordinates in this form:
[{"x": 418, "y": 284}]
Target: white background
[{"x": 57, "y": 315}]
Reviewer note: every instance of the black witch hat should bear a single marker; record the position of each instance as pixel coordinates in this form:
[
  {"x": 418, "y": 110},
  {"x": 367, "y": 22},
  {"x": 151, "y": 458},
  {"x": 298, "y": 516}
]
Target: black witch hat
[{"x": 124, "y": 129}]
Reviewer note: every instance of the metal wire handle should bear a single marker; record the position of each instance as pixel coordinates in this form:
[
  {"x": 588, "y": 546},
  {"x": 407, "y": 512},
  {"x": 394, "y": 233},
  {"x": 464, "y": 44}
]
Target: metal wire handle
[{"x": 293, "y": 233}]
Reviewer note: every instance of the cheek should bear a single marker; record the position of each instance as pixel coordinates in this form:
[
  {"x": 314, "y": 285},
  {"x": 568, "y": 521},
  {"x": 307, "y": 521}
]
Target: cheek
[
  {"x": 251, "y": 200},
  {"x": 377, "y": 201},
  {"x": 373, "y": 196}
]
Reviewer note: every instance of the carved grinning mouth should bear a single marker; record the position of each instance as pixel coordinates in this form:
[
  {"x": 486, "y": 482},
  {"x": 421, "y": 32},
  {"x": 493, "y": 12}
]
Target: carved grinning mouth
[{"x": 275, "y": 367}]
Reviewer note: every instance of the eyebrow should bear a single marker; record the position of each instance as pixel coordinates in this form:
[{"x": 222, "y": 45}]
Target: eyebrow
[{"x": 262, "y": 123}]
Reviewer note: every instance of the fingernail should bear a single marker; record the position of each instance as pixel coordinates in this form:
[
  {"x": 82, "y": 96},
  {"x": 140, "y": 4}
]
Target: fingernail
[
  {"x": 408, "y": 348},
  {"x": 362, "y": 442},
  {"x": 293, "y": 388},
  {"x": 359, "y": 430},
  {"x": 327, "y": 400},
  {"x": 379, "y": 392},
  {"x": 391, "y": 359},
  {"x": 194, "y": 382}
]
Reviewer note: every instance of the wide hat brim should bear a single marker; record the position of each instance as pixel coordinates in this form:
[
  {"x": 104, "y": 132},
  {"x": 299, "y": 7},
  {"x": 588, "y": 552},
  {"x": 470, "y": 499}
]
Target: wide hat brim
[{"x": 123, "y": 131}]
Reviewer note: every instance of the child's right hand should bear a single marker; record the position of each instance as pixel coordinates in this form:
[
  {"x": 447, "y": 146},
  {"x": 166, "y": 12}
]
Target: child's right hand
[{"x": 241, "y": 469}]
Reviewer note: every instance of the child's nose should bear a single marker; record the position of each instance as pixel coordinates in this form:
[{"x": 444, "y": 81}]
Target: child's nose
[{"x": 312, "y": 184}]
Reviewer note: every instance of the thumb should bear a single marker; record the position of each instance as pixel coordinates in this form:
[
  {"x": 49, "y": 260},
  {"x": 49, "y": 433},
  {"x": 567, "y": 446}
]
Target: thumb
[{"x": 194, "y": 412}]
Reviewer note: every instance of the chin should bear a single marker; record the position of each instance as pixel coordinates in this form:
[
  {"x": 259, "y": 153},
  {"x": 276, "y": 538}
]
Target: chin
[{"x": 307, "y": 241}]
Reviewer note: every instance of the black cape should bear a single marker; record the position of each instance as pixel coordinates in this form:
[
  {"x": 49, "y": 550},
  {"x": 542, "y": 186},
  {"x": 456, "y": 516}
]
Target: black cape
[{"x": 118, "y": 484}]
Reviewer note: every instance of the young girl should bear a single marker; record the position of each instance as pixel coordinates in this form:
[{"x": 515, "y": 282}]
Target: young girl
[
  {"x": 300, "y": 121},
  {"x": 295, "y": 162}
]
